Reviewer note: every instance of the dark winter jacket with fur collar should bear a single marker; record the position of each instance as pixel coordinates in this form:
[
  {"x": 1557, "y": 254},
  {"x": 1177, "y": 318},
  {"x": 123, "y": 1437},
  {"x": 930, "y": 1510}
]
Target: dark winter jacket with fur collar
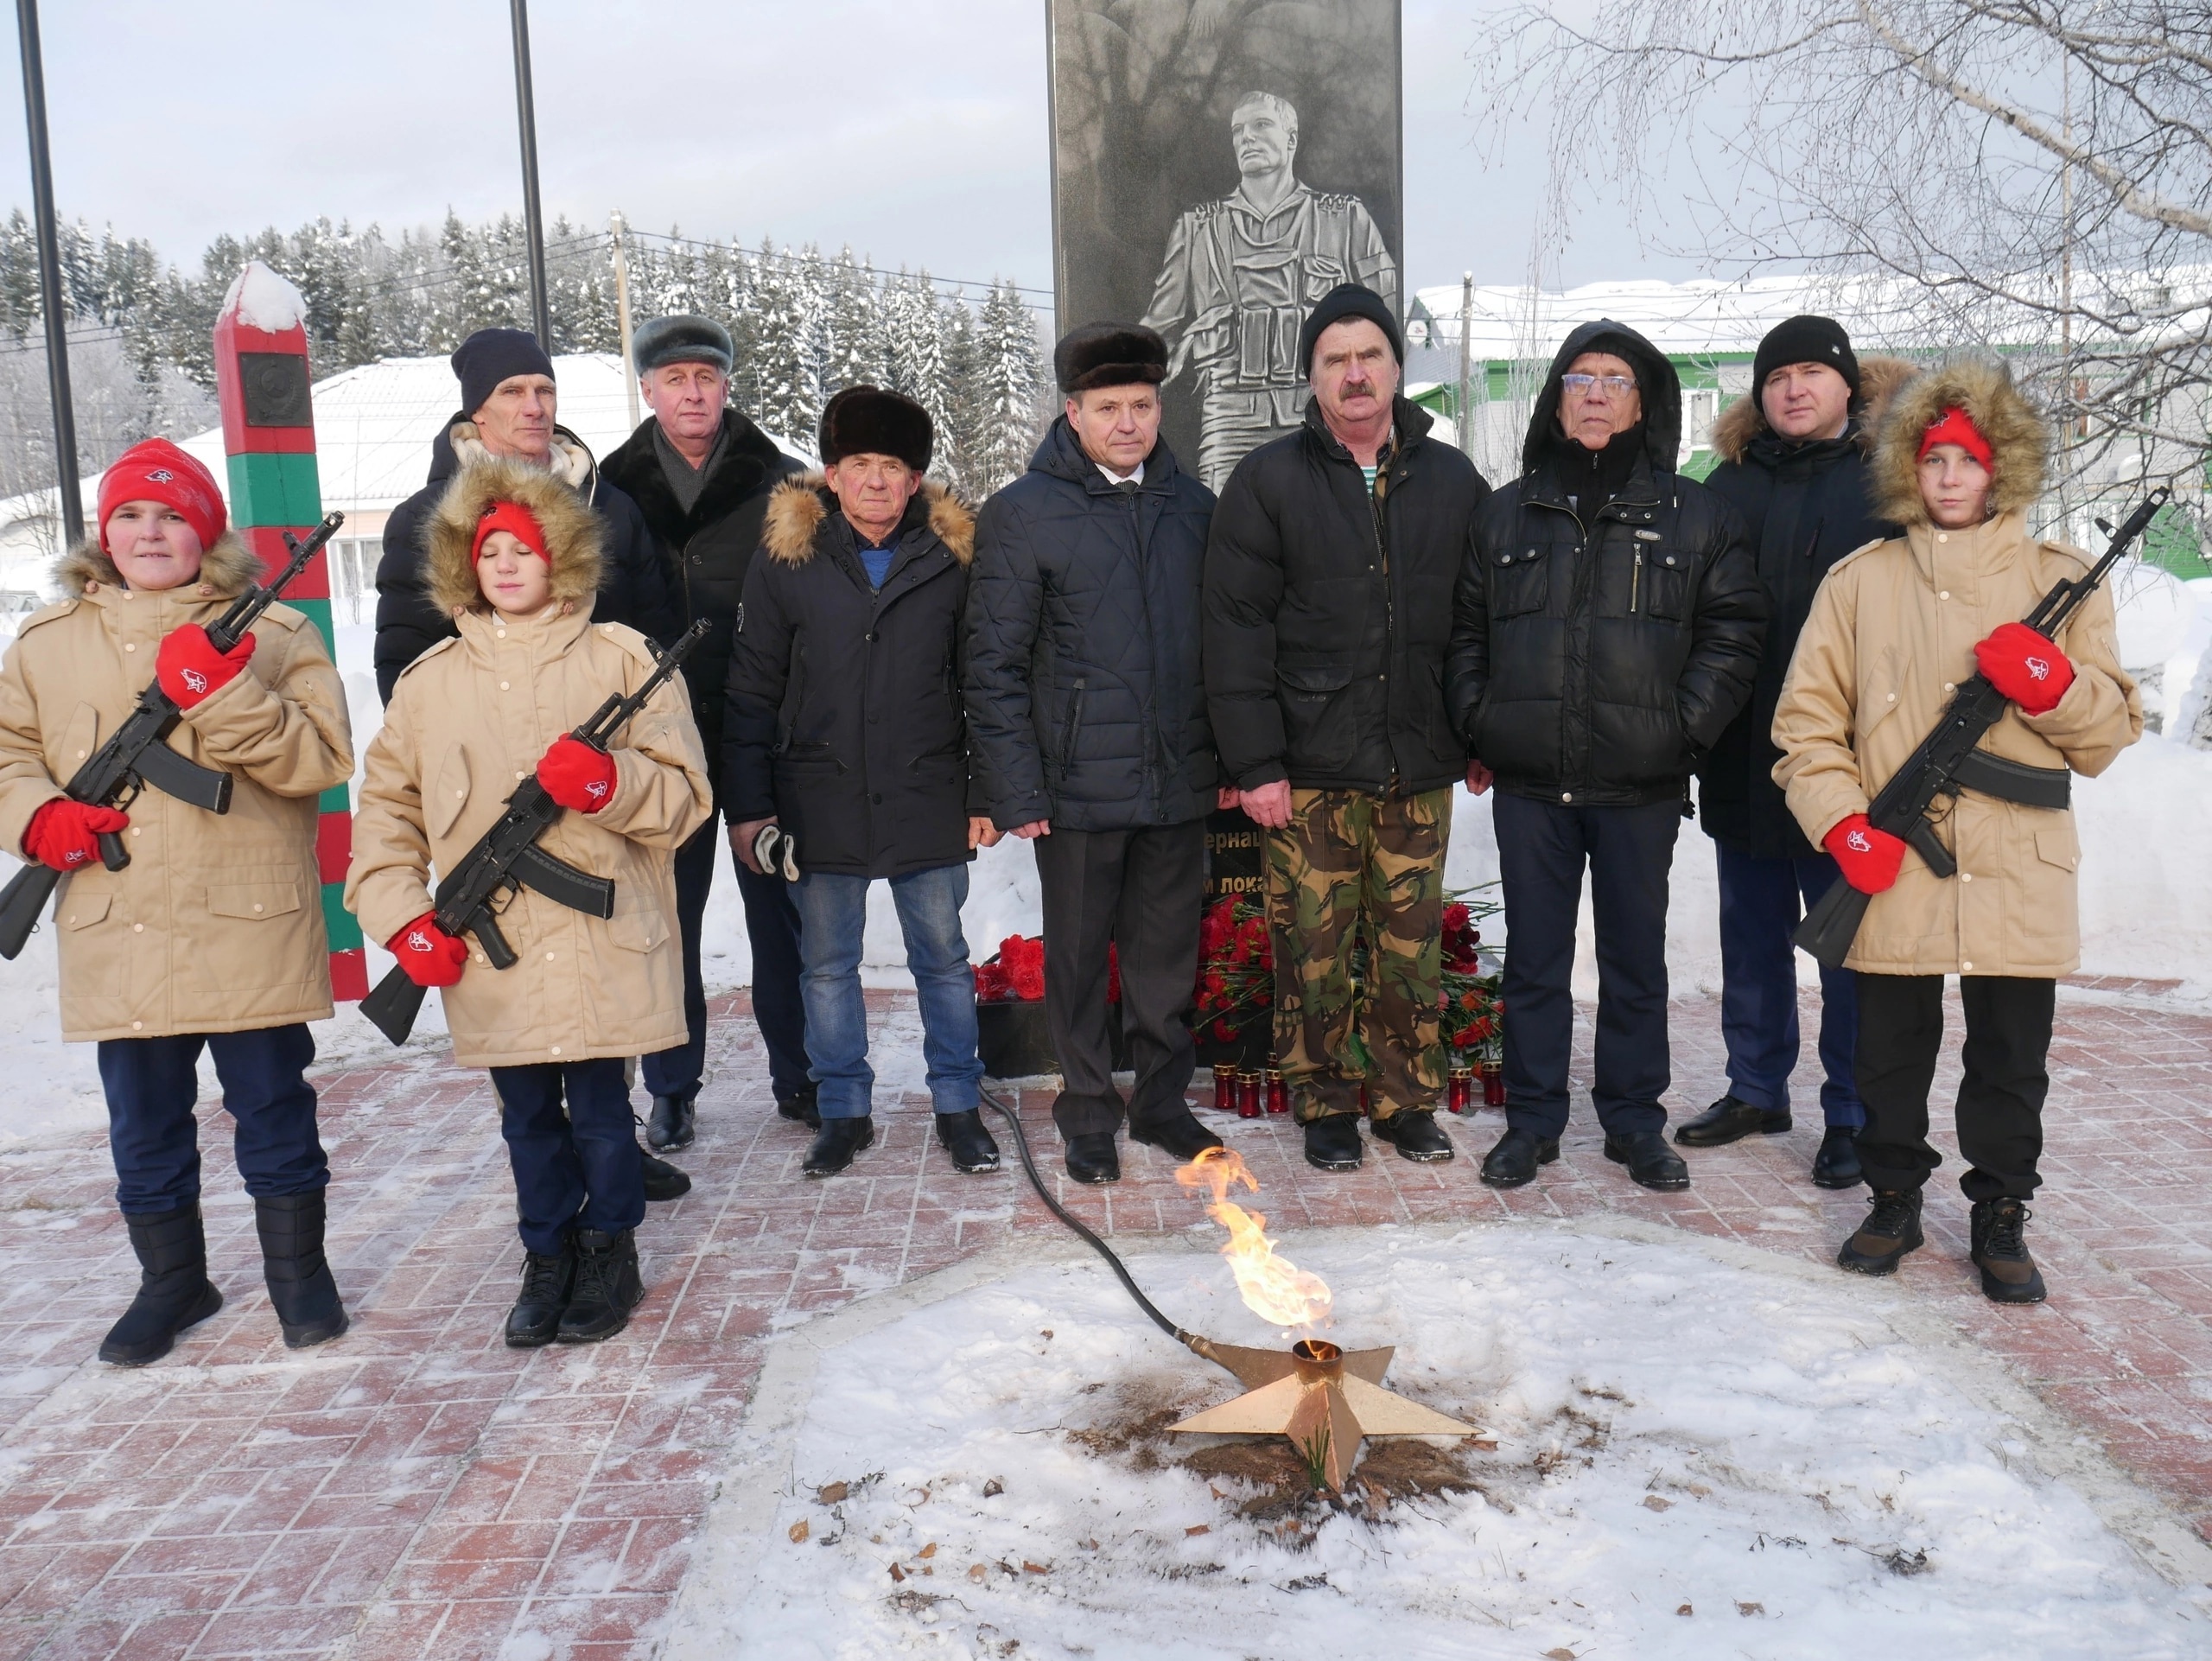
[
  {"x": 709, "y": 547},
  {"x": 844, "y": 719},
  {"x": 633, "y": 584},
  {"x": 1806, "y": 507}
]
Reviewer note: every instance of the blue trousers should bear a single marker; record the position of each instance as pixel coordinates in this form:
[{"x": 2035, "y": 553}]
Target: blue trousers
[
  {"x": 152, "y": 1086},
  {"x": 1542, "y": 848},
  {"x": 832, "y": 913},
  {"x": 574, "y": 1168},
  {"x": 1762, "y": 901},
  {"x": 772, "y": 925}
]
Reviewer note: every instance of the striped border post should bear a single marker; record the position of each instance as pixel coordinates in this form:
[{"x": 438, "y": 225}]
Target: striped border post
[{"x": 261, "y": 377}]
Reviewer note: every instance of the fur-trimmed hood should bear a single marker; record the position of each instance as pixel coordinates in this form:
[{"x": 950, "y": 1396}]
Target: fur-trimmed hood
[
  {"x": 572, "y": 535},
  {"x": 802, "y": 504},
  {"x": 1878, "y": 380},
  {"x": 1984, "y": 390},
  {"x": 227, "y": 569}
]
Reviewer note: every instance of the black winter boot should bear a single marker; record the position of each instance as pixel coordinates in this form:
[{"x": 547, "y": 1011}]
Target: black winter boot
[
  {"x": 1332, "y": 1143},
  {"x": 1836, "y": 1166},
  {"x": 1415, "y": 1134},
  {"x": 836, "y": 1145},
  {"x": 608, "y": 1286},
  {"x": 546, "y": 1283},
  {"x": 1512, "y": 1162},
  {"x": 1650, "y": 1163},
  {"x": 173, "y": 1290},
  {"x": 300, "y": 1286},
  {"x": 1892, "y": 1229},
  {"x": 1998, "y": 1231},
  {"x": 966, "y": 1143},
  {"x": 675, "y": 1120}
]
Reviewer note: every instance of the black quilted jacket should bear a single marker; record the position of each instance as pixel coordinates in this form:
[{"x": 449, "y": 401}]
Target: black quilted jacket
[{"x": 1084, "y": 702}]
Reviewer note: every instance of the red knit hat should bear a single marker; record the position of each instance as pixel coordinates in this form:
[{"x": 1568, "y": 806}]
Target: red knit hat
[
  {"x": 158, "y": 471},
  {"x": 518, "y": 522},
  {"x": 1955, "y": 426}
]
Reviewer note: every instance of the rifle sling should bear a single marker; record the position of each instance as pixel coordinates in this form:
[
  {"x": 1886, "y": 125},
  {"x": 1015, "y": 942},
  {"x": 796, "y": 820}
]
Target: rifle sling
[{"x": 2015, "y": 782}]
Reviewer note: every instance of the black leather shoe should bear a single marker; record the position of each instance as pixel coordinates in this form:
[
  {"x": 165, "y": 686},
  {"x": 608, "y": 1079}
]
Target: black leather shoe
[
  {"x": 607, "y": 1287},
  {"x": 1650, "y": 1161},
  {"x": 1514, "y": 1161},
  {"x": 1836, "y": 1166},
  {"x": 301, "y": 1286},
  {"x": 675, "y": 1119},
  {"x": 837, "y": 1142},
  {"x": 1892, "y": 1229},
  {"x": 799, "y": 1108},
  {"x": 1332, "y": 1143},
  {"x": 546, "y": 1283},
  {"x": 1182, "y": 1136},
  {"x": 663, "y": 1180},
  {"x": 1730, "y": 1120},
  {"x": 1415, "y": 1134},
  {"x": 173, "y": 1290},
  {"x": 966, "y": 1141},
  {"x": 1093, "y": 1158}
]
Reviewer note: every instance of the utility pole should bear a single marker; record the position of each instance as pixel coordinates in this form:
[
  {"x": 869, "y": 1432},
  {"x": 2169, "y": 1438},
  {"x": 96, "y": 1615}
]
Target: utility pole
[
  {"x": 622, "y": 317},
  {"x": 541, "y": 310},
  {"x": 49, "y": 280},
  {"x": 1466, "y": 365}
]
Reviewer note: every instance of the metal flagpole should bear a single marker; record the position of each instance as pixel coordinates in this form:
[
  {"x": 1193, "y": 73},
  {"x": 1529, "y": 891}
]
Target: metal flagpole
[
  {"x": 49, "y": 279},
  {"x": 541, "y": 311},
  {"x": 1467, "y": 366}
]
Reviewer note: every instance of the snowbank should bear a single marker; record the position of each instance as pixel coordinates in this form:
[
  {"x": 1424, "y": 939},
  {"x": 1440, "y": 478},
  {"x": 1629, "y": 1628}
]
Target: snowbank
[{"x": 1696, "y": 1454}]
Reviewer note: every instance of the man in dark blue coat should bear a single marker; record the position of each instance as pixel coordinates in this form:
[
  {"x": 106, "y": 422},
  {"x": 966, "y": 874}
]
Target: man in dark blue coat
[
  {"x": 1088, "y": 719},
  {"x": 1793, "y": 465}
]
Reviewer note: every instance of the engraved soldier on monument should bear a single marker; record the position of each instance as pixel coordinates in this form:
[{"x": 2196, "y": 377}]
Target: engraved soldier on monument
[{"x": 1240, "y": 275}]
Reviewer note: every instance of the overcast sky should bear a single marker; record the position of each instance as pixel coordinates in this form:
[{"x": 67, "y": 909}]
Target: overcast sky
[{"x": 914, "y": 130}]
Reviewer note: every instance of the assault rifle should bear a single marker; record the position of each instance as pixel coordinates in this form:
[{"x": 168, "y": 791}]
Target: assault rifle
[
  {"x": 506, "y": 858},
  {"x": 1948, "y": 759},
  {"x": 137, "y": 753}
]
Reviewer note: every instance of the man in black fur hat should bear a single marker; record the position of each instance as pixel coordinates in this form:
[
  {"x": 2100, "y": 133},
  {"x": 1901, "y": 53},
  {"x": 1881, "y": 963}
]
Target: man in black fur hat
[
  {"x": 1088, "y": 717},
  {"x": 701, "y": 474}
]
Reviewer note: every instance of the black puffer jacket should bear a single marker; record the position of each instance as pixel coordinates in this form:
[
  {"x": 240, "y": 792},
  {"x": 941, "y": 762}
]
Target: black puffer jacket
[
  {"x": 1595, "y": 658},
  {"x": 1806, "y": 507},
  {"x": 1084, "y": 700},
  {"x": 709, "y": 549},
  {"x": 844, "y": 718},
  {"x": 1328, "y": 610},
  {"x": 633, "y": 581}
]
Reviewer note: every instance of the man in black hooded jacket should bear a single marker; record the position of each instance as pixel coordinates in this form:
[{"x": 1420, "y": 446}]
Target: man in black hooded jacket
[
  {"x": 702, "y": 474},
  {"x": 1605, "y": 630}
]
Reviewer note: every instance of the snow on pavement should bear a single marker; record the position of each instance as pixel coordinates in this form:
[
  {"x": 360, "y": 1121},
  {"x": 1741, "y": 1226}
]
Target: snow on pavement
[{"x": 1693, "y": 1458}]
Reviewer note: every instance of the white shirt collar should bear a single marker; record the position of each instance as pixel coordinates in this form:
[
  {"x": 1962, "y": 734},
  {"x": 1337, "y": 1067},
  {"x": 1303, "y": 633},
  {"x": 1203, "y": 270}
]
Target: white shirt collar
[{"x": 1114, "y": 478}]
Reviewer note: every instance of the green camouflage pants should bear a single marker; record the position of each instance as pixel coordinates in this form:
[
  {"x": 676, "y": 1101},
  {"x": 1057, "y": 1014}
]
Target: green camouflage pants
[{"x": 1351, "y": 866}]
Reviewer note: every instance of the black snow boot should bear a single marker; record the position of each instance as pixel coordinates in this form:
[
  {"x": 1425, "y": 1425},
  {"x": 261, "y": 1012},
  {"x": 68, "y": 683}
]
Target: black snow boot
[
  {"x": 547, "y": 1281},
  {"x": 1892, "y": 1229},
  {"x": 607, "y": 1287},
  {"x": 1415, "y": 1134},
  {"x": 966, "y": 1143},
  {"x": 300, "y": 1286},
  {"x": 1998, "y": 1231},
  {"x": 173, "y": 1290},
  {"x": 1512, "y": 1162},
  {"x": 675, "y": 1120},
  {"x": 836, "y": 1145},
  {"x": 1836, "y": 1166},
  {"x": 1332, "y": 1143}
]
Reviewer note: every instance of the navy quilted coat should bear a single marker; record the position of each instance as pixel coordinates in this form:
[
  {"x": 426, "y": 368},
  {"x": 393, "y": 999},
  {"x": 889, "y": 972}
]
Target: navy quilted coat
[{"x": 1084, "y": 702}]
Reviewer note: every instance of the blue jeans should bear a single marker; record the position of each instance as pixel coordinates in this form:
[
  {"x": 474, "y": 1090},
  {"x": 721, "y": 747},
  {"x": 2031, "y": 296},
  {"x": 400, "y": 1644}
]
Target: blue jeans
[
  {"x": 573, "y": 1148},
  {"x": 832, "y": 911},
  {"x": 152, "y": 1085},
  {"x": 1760, "y": 909}
]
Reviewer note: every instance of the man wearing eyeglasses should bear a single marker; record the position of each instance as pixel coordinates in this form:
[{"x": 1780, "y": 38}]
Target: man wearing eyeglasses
[{"x": 1605, "y": 630}]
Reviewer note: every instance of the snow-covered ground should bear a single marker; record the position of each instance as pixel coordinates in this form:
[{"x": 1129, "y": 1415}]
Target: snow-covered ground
[{"x": 1699, "y": 1451}]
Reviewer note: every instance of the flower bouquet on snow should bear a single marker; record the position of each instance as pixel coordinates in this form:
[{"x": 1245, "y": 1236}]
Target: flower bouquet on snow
[{"x": 1010, "y": 1028}]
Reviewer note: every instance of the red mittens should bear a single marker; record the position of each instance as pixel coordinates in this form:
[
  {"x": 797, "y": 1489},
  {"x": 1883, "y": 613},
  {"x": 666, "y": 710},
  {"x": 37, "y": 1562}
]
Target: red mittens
[
  {"x": 2025, "y": 666},
  {"x": 577, "y": 776},
  {"x": 429, "y": 955},
  {"x": 190, "y": 669},
  {"x": 1869, "y": 858},
  {"x": 65, "y": 833}
]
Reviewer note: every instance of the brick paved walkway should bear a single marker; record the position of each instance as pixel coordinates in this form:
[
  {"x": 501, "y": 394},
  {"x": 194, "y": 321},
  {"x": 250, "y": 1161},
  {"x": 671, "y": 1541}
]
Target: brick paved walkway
[{"x": 419, "y": 1490}]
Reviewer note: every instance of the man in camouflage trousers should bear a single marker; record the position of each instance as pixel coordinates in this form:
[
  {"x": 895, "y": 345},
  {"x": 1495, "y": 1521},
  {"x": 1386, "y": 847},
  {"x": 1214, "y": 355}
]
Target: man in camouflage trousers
[{"x": 1328, "y": 573}]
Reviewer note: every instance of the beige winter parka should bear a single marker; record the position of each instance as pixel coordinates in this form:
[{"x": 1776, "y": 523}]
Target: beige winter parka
[
  {"x": 469, "y": 721},
  {"x": 1892, "y": 631},
  {"x": 216, "y": 925}
]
